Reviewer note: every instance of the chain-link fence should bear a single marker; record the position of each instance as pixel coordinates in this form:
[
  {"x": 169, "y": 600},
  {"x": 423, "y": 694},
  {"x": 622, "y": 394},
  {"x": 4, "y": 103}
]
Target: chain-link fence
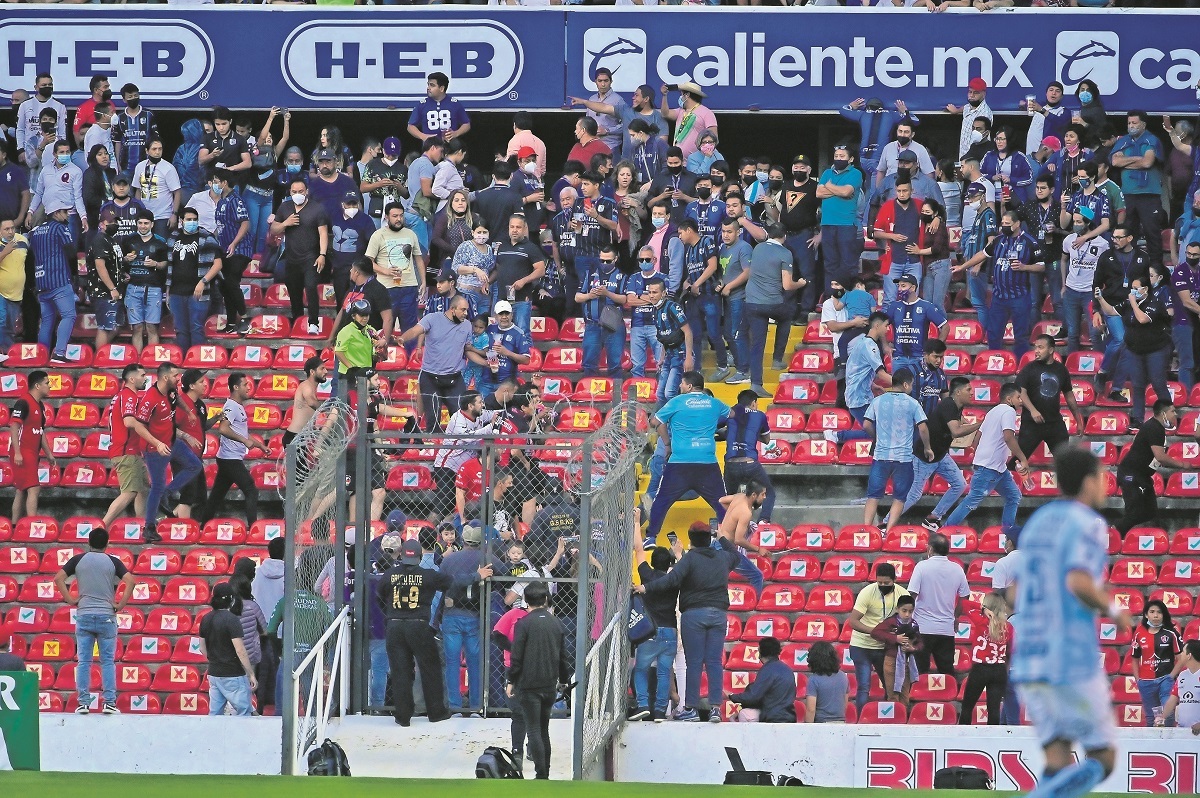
[{"x": 315, "y": 567}]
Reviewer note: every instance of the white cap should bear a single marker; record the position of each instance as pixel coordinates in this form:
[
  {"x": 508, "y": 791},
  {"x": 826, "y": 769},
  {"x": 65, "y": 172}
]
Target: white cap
[{"x": 503, "y": 306}]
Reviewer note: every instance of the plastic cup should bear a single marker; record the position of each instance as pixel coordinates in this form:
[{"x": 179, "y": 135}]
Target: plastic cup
[{"x": 1029, "y": 101}]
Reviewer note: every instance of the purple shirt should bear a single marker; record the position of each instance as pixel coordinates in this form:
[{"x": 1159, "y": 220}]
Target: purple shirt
[{"x": 1184, "y": 278}]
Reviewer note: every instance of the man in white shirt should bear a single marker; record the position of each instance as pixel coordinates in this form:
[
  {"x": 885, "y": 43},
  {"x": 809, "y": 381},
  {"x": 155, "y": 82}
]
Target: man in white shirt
[
  {"x": 1079, "y": 261},
  {"x": 1184, "y": 702},
  {"x": 976, "y": 107},
  {"x": 30, "y": 111},
  {"x": 157, "y": 185},
  {"x": 997, "y": 443},
  {"x": 889, "y": 156},
  {"x": 101, "y": 132},
  {"x": 937, "y": 584},
  {"x": 234, "y": 445},
  {"x": 1004, "y": 572}
]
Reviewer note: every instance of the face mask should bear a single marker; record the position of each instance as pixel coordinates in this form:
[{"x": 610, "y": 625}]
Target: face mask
[
  {"x": 1193, "y": 262},
  {"x": 799, "y": 175},
  {"x": 902, "y": 294},
  {"x": 761, "y": 176},
  {"x": 299, "y": 199},
  {"x": 674, "y": 169},
  {"x": 481, "y": 239},
  {"x": 109, "y": 230},
  {"x": 530, "y": 168},
  {"x": 191, "y": 227},
  {"x": 717, "y": 180},
  {"x": 647, "y": 265},
  {"x": 927, "y": 218},
  {"x": 134, "y": 103},
  {"x": 976, "y": 137},
  {"x": 658, "y": 222},
  {"x": 106, "y": 95},
  {"x": 775, "y": 185},
  {"x": 1133, "y": 130},
  {"x": 351, "y": 212},
  {"x": 1084, "y": 182},
  {"x": 292, "y": 168},
  {"x": 703, "y": 192},
  {"x": 903, "y": 140},
  {"x": 840, "y": 164},
  {"x": 155, "y": 158},
  {"x": 1085, "y": 97},
  {"x": 62, "y": 160},
  {"x": 216, "y": 188},
  {"x": 46, "y": 92},
  {"x": 1140, "y": 294},
  {"x": 1079, "y": 229},
  {"x": 749, "y": 179},
  {"x": 886, "y": 590}
]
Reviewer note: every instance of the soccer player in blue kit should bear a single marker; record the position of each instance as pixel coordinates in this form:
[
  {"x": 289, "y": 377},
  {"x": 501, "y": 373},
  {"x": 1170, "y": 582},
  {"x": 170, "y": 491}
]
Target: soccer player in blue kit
[{"x": 1059, "y": 592}]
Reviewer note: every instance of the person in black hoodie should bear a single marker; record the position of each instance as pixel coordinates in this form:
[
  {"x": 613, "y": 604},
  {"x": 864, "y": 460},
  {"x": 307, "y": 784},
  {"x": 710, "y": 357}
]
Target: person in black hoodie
[
  {"x": 540, "y": 662},
  {"x": 97, "y": 184},
  {"x": 702, "y": 579},
  {"x": 772, "y": 694}
]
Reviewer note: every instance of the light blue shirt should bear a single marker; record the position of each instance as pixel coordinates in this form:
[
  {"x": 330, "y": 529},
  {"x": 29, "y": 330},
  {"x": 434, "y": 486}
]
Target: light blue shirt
[
  {"x": 1056, "y": 639},
  {"x": 1140, "y": 181},
  {"x": 895, "y": 415},
  {"x": 836, "y": 211},
  {"x": 862, "y": 361},
  {"x": 692, "y": 419}
]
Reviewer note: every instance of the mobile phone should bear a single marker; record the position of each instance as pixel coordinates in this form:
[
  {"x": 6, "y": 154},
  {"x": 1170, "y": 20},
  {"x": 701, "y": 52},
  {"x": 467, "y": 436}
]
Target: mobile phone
[
  {"x": 672, "y": 538},
  {"x": 672, "y": 87},
  {"x": 713, "y": 523}
]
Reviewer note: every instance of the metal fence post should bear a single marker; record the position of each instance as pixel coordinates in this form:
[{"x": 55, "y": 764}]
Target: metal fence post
[
  {"x": 360, "y": 623},
  {"x": 583, "y": 600},
  {"x": 288, "y": 661}
]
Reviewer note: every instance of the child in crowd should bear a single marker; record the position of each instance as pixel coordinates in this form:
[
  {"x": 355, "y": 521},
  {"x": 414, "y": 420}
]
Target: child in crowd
[
  {"x": 480, "y": 343},
  {"x": 859, "y": 304},
  {"x": 901, "y": 638},
  {"x": 447, "y": 542}
]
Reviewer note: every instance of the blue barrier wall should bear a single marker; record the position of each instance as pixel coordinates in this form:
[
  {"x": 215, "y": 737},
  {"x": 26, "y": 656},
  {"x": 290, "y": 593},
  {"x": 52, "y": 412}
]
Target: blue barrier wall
[{"x": 507, "y": 59}]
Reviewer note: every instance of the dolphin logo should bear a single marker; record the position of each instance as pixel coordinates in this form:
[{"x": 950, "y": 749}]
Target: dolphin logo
[
  {"x": 621, "y": 46},
  {"x": 1079, "y": 58}
]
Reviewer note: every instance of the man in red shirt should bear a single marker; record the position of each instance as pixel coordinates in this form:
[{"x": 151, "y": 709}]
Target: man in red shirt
[
  {"x": 468, "y": 487},
  {"x": 156, "y": 412},
  {"x": 125, "y": 448},
  {"x": 27, "y": 423},
  {"x": 191, "y": 422},
  {"x": 589, "y": 145}
]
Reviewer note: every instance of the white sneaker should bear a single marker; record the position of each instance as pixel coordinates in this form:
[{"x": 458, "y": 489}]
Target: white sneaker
[
  {"x": 830, "y": 435},
  {"x": 314, "y": 329}
]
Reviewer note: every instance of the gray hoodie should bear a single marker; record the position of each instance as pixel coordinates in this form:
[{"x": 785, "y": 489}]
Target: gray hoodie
[{"x": 268, "y": 585}]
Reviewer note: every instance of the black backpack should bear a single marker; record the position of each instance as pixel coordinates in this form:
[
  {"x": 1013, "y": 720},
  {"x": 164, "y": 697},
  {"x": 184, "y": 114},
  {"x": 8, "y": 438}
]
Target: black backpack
[
  {"x": 961, "y": 778},
  {"x": 328, "y": 759},
  {"x": 497, "y": 763}
]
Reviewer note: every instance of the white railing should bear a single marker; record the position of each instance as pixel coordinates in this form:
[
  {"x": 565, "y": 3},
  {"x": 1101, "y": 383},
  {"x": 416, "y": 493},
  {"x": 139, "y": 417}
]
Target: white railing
[
  {"x": 320, "y": 706},
  {"x": 602, "y": 712}
]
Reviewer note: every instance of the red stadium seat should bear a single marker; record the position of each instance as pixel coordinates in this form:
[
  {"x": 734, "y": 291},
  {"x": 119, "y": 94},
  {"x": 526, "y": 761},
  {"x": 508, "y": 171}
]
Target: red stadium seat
[
  {"x": 1183, "y": 484},
  {"x": 797, "y": 568},
  {"x": 555, "y": 389},
  {"x": 1178, "y": 572},
  {"x": 859, "y": 538},
  {"x": 964, "y": 332},
  {"x": 262, "y": 417},
  {"x": 96, "y": 385},
  {"x": 811, "y": 628},
  {"x": 830, "y": 598},
  {"x": 937, "y": 713},
  {"x": 776, "y": 451},
  {"x": 28, "y": 620},
  {"x": 167, "y": 621},
  {"x": 35, "y": 529},
  {"x": 158, "y": 562},
  {"x": 886, "y": 712},
  {"x": 209, "y": 562},
  {"x": 812, "y": 361},
  {"x": 1133, "y": 571},
  {"x": 19, "y": 560},
  {"x": 1083, "y": 364},
  {"x": 906, "y": 540},
  {"x": 543, "y": 328},
  {"x": 187, "y": 652},
  {"x": 797, "y": 392},
  {"x": 147, "y": 648},
  {"x": 8, "y": 588},
  {"x": 83, "y": 475},
  {"x": 51, "y": 648},
  {"x": 263, "y": 531},
  {"x": 410, "y": 478},
  {"x": 781, "y": 598},
  {"x": 980, "y": 571},
  {"x": 957, "y": 363},
  {"x": 579, "y": 419},
  {"x": 934, "y": 687},
  {"x": 811, "y": 537},
  {"x": 762, "y": 625},
  {"x": 741, "y": 598},
  {"x": 186, "y": 704},
  {"x": 744, "y": 657},
  {"x": 594, "y": 389},
  {"x": 824, "y": 418},
  {"x": 56, "y": 557},
  {"x": 1178, "y": 601},
  {"x": 993, "y": 363},
  {"x": 856, "y": 453},
  {"x": 985, "y": 391},
  {"x": 817, "y": 332},
  {"x": 160, "y": 353},
  {"x": 770, "y": 536},
  {"x": 77, "y": 414},
  {"x": 176, "y": 679},
  {"x": 1107, "y": 422},
  {"x": 814, "y": 451},
  {"x": 829, "y": 393},
  {"x": 784, "y": 421},
  {"x": 641, "y": 389},
  {"x": 12, "y": 385},
  {"x": 146, "y": 592},
  {"x": 28, "y": 356},
  {"x": 1131, "y": 600},
  {"x": 1110, "y": 635},
  {"x": 114, "y": 356},
  {"x": 992, "y": 541},
  {"x": 845, "y": 568},
  {"x": 185, "y": 591},
  {"x": 733, "y": 628},
  {"x": 563, "y": 360},
  {"x": 61, "y": 384},
  {"x": 1145, "y": 542}
]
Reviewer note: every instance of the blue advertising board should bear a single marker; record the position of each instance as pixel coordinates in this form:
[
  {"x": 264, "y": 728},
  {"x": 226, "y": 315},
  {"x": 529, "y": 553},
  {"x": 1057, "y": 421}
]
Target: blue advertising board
[{"x": 784, "y": 59}]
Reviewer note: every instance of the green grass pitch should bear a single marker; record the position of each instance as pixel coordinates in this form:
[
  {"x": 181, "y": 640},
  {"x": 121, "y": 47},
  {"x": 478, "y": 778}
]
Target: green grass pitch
[{"x": 115, "y": 785}]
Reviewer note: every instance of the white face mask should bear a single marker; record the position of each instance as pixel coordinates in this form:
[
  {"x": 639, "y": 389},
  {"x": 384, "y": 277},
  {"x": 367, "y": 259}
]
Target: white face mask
[
  {"x": 976, "y": 137},
  {"x": 299, "y": 199},
  {"x": 529, "y": 168},
  {"x": 351, "y": 212},
  {"x": 481, "y": 238}
]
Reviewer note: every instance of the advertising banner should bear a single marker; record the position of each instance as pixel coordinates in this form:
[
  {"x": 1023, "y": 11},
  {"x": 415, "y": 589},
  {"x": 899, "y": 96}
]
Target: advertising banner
[{"x": 20, "y": 740}]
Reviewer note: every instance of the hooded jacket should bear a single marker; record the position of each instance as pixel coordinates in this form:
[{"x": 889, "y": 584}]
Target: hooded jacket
[
  {"x": 187, "y": 158},
  {"x": 701, "y": 576},
  {"x": 268, "y": 585}
]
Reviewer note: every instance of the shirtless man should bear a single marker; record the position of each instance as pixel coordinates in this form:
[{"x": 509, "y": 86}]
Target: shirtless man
[
  {"x": 305, "y": 402},
  {"x": 737, "y": 527}
]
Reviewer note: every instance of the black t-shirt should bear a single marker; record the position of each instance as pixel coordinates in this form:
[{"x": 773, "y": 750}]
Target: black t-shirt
[
  {"x": 156, "y": 250},
  {"x": 231, "y": 146},
  {"x": 1045, "y": 383},
  {"x": 1141, "y": 453},
  {"x": 374, "y": 293},
  {"x": 219, "y": 629},
  {"x": 938, "y": 425},
  {"x": 104, "y": 249},
  {"x": 303, "y": 241},
  {"x": 406, "y": 591},
  {"x": 661, "y": 606},
  {"x": 515, "y": 262},
  {"x": 684, "y": 181},
  {"x": 799, "y": 205}
]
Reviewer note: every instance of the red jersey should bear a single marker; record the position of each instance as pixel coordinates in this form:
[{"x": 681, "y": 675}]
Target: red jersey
[
  {"x": 123, "y": 440},
  {"x": 32, "y": 415},
  {"x": 984, "y": 650},
  {"x": 1155, "y": 651},
  {"x": 470, "y": 479},
  {"x": 187, "y": 419},
  {"x": 158, "y": 414}
]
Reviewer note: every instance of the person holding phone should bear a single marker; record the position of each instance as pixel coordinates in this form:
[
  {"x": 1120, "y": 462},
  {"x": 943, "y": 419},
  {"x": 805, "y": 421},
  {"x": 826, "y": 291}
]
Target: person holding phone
[{"x": 399, "y": 264}]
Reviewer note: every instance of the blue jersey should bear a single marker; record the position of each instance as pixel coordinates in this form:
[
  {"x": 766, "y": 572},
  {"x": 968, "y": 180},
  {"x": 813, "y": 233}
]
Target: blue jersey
[
  {"x": 928, "y": 386},
  {"x": 49, "y": 242},
  {"x": 1056, "y": 640},
  {"x": 1005, "y": 251},
  {"x": 707, "y": 215},
  {"x": 643, "y": 315},
  {"x": 742, "y": 431},
  {"x": 515, "y": 340},
  {"x": 133, "y": 132},
  {"x": 669, "y": 317},
  {"x": 126, "y": 216},
  {"x": 695, "y": 261},
  {"x": 230, "y": 213},
  {"x": 435, "y": 117},
  {"x": 910, "y": 326},
  {"x": 612, "y": 280},
  {"x": 692, "y": 419},
  {"x": 592, "y": 236}
]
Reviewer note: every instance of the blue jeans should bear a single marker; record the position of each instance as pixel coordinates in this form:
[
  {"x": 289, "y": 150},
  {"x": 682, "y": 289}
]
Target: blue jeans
[
  {"x": 186, "y": 466},
  {"x": 232, "y": 690},
  {"x": 937, "y": 283},
  {"x": 1182, "y": 334},
  {"x": 1010, "y": 710},
  {"x": 57, "y": 305},
  {"x": 704, "y": 317},
  {"x": 889, "y": 280},
  {"x": 379, "y": 673},
  {"x": 595, "y": 339},
  {"x": 755, "y": 318},
  {"x": 1040, "y": 282},
  {"x": 90, "y": 631},
  {"x": 749, "y": 572},
  {"x": 1142, "y": 369},
  {"x": 1111, "y": 364},
  {"x": 865, "y": 660},
  {"x": 404, "y": 309},
  {"x": 901, "y": 474},
  {"x": 9, "y": 313},
  {"x": 677, "y": 482},
  {"x": 703, "y": 632},
  {"x": 731, "y": 328},
  {"x": 1002, "y": 310},
  {"x": 670, "y": 374},
  {"x": 983, "y": 481},
  {"x": 804, "y": 264},
  {"x": 189, "y": 314},
  {"x": 1075, "y": 315},
  {"x": 977, "y": 290},
  {"x": 523, "y": 312},
  {"x": 642, "y": 340},
  {"x": 656, "y": 468},
  {"x": 659, "y": 650},
  {"x": 1154, "y": 693},
  {"x": 461, "y": 632},
  {"x": 857, "y": 433},
  {"x": 258, "y": 208},
  {"x": 841, "y": 245},
  {"x": 949, "y": 471}
]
